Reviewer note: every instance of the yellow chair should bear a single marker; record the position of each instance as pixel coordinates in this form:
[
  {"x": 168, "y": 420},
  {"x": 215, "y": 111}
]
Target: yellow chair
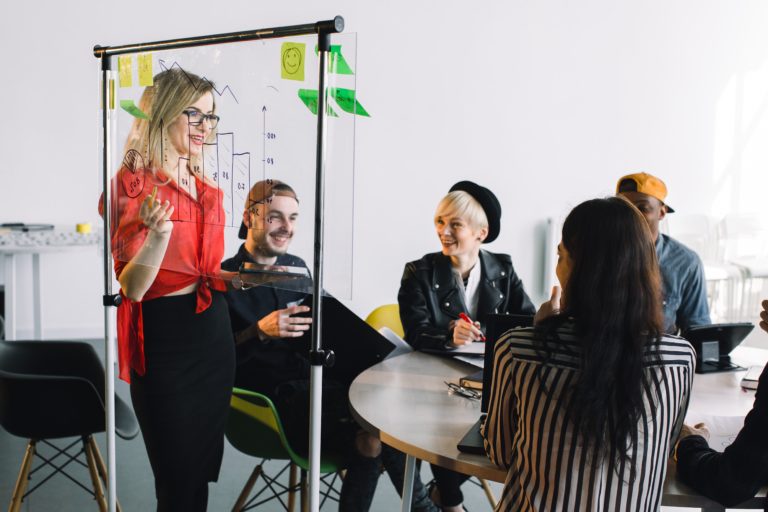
[{"x": 388, "y": 315}]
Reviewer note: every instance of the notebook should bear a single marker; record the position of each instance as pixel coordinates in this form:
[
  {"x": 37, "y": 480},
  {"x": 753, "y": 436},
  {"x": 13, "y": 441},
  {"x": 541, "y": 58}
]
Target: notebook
[
  {"x": 496, "y": 325},
  {"x": 356, "y": 344}
]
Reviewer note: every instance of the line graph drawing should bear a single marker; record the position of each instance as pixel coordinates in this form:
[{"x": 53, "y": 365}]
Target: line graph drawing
[{"x": 175, "y": 64}]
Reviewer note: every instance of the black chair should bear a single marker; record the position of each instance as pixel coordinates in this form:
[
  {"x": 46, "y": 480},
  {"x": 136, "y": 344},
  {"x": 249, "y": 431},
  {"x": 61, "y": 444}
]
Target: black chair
[{"x": 53, "y": 390}]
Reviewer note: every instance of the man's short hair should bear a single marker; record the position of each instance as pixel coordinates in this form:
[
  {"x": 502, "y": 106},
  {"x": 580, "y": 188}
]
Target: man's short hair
[{"x": 260, "y": 192}]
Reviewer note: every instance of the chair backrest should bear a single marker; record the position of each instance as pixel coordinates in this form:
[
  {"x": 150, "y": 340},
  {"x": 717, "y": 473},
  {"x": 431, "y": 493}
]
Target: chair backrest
[
  {"x": 254, "y": 428},
  {"x": 47, "y": 389},
  {"x": 743, "y": 236},
  {"x": 697, "y": 232},
  {"x": 387, "y": 315}
]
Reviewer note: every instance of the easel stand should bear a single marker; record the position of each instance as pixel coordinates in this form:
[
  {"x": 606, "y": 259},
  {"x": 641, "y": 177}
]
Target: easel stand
[{"x": 318, "y": 357}]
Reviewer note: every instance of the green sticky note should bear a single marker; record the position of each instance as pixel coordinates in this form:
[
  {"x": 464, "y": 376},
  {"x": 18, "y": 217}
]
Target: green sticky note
[
  {"x": 132, "y": 109},
  {"x": 292, "y": 61},
  {"x": 336, "y": 61},
  {"x": 347, "y": 101},
  {"x": 309, "y": 98}
]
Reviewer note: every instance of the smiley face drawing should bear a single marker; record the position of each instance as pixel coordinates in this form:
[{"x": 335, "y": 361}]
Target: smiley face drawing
[{"x": 293, "y": 61}]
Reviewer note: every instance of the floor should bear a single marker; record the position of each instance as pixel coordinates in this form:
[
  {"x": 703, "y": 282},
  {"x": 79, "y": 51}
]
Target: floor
[{"x": 135, "y": 484}]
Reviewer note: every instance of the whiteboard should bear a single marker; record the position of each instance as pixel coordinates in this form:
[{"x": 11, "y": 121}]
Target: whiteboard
[{"x": 265, "y": 94}]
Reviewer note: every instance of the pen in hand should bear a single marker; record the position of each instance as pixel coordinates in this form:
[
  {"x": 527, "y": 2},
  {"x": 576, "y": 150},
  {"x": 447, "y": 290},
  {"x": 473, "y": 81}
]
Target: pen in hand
[
  {"x": 466, "y": 318},
  {"x": 152, "y": 197}
]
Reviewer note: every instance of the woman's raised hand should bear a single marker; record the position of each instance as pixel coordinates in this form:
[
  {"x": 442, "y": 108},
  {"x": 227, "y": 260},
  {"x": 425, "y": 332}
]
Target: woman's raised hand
[
  {"x": 549, "y": 308},
  {"x": 156, "y": 215}
]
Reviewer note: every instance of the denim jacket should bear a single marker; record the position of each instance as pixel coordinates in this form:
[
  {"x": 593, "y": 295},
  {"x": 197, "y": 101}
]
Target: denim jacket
[{"x": 683, "y": 284}]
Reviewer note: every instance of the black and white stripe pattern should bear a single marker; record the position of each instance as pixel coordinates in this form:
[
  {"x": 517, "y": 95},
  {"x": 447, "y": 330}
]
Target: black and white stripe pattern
[{"x": 528, "y": 431}]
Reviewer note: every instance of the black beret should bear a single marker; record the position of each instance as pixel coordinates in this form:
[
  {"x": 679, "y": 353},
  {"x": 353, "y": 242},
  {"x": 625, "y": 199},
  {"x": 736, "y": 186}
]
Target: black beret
[{"x": 490, "y": 205}]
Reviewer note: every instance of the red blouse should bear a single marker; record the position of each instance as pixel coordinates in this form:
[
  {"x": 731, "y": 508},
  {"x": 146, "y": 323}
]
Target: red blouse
[{"x": 194, "y": 251}]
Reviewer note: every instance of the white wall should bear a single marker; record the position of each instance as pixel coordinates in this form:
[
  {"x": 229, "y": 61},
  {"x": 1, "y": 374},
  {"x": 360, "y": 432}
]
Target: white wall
[{"x": 547, "y": 103}]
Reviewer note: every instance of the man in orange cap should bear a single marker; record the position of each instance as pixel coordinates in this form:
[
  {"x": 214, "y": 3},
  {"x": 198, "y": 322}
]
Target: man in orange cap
[{"x": 682, "y": 273}]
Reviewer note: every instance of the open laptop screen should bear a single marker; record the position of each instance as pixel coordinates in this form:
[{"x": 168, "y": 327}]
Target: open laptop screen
[{"x": 495, "y": 326}]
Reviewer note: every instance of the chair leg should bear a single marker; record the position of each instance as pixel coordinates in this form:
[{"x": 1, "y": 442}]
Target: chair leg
[
  {"x": 101, "y": 466},
  {"x": 292, "y": 487},
  {"x": 240, "y": 503},
  {"x": 488, "y": 492},
  {"x": 23, "y": 478},
  {"x": 92, "y": 469},
  {"x": 303, "y": 495}
]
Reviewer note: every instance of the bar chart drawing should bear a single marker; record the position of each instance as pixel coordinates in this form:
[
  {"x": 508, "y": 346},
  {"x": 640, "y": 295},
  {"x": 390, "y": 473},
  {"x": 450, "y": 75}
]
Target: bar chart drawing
[{"x": 231, "y": 172}]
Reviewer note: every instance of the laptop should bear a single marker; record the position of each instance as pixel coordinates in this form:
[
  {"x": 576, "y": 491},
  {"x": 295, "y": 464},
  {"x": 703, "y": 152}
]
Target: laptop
[
  {"x": 714, "y": 343},
  {"x": 356, "y": 345},
  {"x": 496, "y": 325}
]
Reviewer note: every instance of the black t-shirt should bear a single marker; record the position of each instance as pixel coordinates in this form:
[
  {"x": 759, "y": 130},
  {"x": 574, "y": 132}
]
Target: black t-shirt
[{"x": 263, "y": 365}]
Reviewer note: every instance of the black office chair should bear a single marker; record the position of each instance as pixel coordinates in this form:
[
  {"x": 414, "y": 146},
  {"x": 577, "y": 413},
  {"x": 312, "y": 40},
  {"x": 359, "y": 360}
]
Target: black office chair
[{"x": 53, "y": 390}]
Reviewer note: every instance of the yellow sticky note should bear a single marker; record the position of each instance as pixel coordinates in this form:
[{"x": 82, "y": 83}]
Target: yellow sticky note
[
  {"x": 125, "y": 70},
  {"x": 292, "y": 61},
  {"x": 145, "y": 69}
]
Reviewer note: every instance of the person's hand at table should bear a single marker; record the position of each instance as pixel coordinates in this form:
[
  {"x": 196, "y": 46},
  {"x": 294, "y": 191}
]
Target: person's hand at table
[
  {"x": 699, "y": 429},
  {"x": 465, "y": 333},
  {"x": 549, "y": 308},
  {"x": 282, "y": 323},
  {"x": 764, "y": 316}
]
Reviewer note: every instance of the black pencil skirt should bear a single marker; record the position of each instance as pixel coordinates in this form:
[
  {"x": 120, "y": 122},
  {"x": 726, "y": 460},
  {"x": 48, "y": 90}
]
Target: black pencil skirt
[{"x": 182, "y": 401}]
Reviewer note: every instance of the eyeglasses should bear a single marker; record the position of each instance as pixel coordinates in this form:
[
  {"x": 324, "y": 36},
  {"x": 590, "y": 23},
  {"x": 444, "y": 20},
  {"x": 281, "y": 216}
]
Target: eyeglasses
[
  {"x": 462, "y": 391},
  {"x": 196, "y": 117}
]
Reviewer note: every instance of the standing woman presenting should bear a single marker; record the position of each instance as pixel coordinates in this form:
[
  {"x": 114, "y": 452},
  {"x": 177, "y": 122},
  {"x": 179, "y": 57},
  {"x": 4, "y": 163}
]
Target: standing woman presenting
[
  {"x": 175, "y": 346},
  {"x": 442, "y": 290}
]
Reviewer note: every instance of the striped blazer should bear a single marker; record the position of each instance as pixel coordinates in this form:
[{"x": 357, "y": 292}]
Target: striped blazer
[{"x": 528, "y": 433}]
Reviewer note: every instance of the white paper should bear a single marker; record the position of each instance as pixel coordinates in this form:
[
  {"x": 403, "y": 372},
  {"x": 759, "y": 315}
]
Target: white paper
[
  {"x": 401, "y": 346},
  {"x": 476, "y": 348}
]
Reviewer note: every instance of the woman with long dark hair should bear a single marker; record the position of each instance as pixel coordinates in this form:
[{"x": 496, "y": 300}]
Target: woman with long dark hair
[{"x": 585, "y": 406}]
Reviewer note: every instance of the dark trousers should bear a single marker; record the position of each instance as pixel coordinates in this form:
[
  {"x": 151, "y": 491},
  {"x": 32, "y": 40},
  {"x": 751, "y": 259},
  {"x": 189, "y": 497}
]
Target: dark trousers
[
  {"x": 363, "y": 476},
  {"x": 182, "y": 401},
  {"x": 449, "y": 482}
]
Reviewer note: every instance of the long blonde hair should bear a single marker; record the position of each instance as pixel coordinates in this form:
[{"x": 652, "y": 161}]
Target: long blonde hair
[{"x": 173, "y": 91}]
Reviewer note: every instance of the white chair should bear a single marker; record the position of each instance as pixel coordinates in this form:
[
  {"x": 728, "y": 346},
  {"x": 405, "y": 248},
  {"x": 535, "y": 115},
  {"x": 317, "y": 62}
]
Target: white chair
[
  {"x": 744, "y": 242},
  {"x": 725, "y": 281}
]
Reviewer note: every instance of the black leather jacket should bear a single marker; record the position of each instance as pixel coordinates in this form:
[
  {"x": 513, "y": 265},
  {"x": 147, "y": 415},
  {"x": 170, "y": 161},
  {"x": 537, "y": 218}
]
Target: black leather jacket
[{"x": 430, "y": 297}]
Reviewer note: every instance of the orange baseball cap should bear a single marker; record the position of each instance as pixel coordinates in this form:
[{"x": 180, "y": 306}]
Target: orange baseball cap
[{"x": 645, "y": 184}]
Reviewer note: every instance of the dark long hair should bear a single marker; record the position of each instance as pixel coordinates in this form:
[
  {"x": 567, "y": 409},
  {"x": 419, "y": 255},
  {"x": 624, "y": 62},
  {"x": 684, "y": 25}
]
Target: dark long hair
[{"x": 613, "y": 295}]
